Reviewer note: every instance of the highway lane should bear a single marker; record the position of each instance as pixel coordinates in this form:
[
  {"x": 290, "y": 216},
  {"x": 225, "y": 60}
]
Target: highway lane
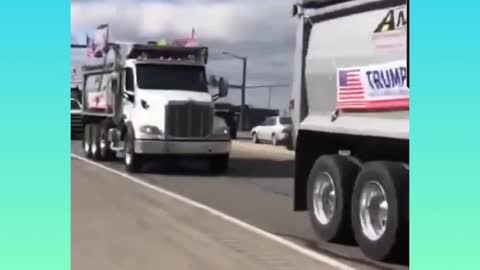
[{"x": 257, "y": 190}]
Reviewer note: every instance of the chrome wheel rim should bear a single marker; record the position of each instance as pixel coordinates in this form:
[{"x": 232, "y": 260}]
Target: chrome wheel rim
[
  {"x": 86, "y": 143},
  {"x": 128, "y": 154},
  {"x": 94, "y": 148},
  {"x": 373, "y": 210},
  {"x": 324, "y": 199},
  {"x": 86, "y": 147},
  {"x": 128, "y": 158},
  {"x": 103, "y": 143}
]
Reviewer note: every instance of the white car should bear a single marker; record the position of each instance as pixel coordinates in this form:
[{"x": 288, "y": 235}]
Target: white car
[{"x": 275, "y": 129}]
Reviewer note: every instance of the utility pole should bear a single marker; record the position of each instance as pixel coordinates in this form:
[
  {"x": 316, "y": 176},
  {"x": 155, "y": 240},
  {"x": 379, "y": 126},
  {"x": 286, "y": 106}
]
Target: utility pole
[
  {"x": 243, "y": 108},
  {"x": 244, "y": 81},
  {"x": 269, "y": 97}
]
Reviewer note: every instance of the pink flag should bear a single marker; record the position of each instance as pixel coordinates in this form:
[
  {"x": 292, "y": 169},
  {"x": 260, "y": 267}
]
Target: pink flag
[{"x": 97, "y": 46}]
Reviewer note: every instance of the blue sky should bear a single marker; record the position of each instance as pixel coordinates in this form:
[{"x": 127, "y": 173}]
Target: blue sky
[{"x": 261, "y": 30}]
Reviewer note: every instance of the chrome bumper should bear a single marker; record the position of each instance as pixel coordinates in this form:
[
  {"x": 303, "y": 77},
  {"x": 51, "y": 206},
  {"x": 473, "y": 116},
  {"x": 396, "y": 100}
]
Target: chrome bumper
[{"x": 182, "y": 147}]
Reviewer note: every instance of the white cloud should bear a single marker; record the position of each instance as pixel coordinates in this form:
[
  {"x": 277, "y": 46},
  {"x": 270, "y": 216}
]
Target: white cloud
[{"x": 228, "y": 21}]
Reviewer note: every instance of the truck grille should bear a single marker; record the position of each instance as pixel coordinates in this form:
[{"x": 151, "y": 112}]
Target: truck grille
[{"x": 189, "y": 119}]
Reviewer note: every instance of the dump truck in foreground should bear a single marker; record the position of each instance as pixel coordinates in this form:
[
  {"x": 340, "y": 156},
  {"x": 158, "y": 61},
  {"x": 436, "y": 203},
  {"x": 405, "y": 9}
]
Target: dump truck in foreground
[
  {"x": 350, "y": 109},
  {"x": 151, "y": 102}
]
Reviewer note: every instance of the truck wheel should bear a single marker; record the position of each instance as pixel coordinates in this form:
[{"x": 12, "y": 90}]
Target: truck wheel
[
  {"x": 219, "y": 163},
  {"x": 95, "y": 145},
  {"x": 132, "y": 160},
  {"x": 255, "y": 138},
  {"x": 274, "y": 139},
  {"x": 291, "y": 141},
  {"x": 106, "y": 153},
  {"x": 329, "y": 191},
  {"x": 87, "y": 140},
  {"x": 289, "y": 144},
  {"x": 380, "y": 211}
]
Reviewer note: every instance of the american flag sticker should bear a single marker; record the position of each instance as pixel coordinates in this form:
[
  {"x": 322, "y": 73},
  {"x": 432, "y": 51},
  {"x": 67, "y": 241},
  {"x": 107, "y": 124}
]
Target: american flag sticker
[
  {"x": 374, "y": 87},
  {"x": 351, "y": 92}
]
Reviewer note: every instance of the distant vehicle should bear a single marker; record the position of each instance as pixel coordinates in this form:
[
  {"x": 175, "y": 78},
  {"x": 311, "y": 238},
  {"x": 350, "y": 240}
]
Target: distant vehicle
[
  {"x": 76, "y": 125},
  {"x": 274, "y": 129}
]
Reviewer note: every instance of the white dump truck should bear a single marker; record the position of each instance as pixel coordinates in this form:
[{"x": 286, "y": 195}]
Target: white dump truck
[
  {"x": 147, "y": 101},
  {"x": 350, "y": 109}
]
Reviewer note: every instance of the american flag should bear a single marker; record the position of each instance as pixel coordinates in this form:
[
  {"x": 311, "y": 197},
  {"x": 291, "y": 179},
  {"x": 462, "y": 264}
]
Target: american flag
[
  {"x": 187, "y": 42},
  {"x": 351, "y": 92}
]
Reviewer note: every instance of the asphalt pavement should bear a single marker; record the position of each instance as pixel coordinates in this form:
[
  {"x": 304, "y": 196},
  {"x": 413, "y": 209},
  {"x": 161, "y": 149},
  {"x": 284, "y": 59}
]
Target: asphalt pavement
[
  {"x": 257, "y": 190},
  {"x": 118, "y": 224}
]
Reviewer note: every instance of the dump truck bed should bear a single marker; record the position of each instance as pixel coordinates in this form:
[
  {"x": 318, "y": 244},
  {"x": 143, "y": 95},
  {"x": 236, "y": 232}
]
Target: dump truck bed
[{"x": 342, "y": 36}]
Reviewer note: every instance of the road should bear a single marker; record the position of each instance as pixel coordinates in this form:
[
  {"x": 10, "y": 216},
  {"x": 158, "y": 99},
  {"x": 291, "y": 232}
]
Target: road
[
  {"x": 121, "y": 225},
  {"x": 257, "y": 190}
]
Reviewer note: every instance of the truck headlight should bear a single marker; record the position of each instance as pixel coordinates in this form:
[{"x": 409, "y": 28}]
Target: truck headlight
[
  {"x": 150, "y": 130},
  {"x": 221, "y": 131},
  {"x": 224, "y": 131},
  {"x": 220, "y": 128}
]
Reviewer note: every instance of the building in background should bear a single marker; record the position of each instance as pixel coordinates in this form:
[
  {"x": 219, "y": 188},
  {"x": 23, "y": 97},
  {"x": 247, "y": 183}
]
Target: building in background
[{"x": 254, "y": 116}]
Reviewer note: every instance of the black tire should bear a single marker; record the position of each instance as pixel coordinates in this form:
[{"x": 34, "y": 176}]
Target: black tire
[
  {"x": 274, "y": 140},
  {"x": 393, "y": 245},
  {"x": 290, "y": 142},
  {"x": 343, "y": 173},
  {"x": 255, "y": 137},
  {"x": 218, "y": 164},
  {"x": 87, "y": 141},
  {"x": 106, "y": 153},
  {"x": 95, "y": 145},
  {"x": 233, "y": 133},
  {"x": 132, "y": 164}
]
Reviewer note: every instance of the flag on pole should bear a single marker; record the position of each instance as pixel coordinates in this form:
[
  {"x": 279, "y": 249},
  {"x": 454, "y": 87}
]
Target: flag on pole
[
  {"x": 187, "y": 42},
  {"x": 90, "y": 47},
  {"x": 192, "y": 42},
  {"x": 97, "y": 47}
]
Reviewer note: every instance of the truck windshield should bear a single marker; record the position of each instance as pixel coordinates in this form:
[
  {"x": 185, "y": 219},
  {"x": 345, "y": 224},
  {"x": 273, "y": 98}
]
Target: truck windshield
[{"x": 172, "y": 77}]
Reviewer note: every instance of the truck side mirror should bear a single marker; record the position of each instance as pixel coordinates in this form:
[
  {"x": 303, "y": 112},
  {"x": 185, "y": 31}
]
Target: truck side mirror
[
  {"x": 222, "y": 87},
  {"x": 129, "y": 95}
]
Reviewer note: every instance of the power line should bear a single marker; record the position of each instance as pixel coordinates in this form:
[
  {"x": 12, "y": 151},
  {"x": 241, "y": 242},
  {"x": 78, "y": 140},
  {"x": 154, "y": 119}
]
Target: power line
[{"x": 234, "y": 86}]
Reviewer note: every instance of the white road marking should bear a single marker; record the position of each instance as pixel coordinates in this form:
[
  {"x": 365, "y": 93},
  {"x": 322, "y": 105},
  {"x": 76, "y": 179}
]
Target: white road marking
[{"x": 310, "y": 253}]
